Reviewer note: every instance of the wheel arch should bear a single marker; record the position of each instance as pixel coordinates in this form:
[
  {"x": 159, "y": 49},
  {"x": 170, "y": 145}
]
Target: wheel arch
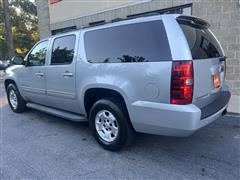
[
  {"x": 9, "y": 81},
  {"x": 93, "y": 94}
]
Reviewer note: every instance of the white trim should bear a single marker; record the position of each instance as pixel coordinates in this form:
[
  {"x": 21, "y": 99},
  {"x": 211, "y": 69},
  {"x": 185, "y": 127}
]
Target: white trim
[{"x": 102, "y": 11}]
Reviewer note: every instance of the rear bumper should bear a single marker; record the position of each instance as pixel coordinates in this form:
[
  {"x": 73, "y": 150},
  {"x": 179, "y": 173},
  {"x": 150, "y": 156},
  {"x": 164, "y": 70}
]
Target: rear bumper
[
  {"x": 175, "y": 120},
  {"x": 216, "y": 105}
]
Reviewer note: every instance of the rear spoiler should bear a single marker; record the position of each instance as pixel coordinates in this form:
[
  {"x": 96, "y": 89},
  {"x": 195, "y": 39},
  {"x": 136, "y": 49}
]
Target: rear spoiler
[{"x": 193, "y": 21}]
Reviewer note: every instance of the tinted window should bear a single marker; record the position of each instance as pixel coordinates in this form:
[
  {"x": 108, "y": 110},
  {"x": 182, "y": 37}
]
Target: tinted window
[
  {"x": 202, "y": 43},
  {"x": 141, "y": 42},
  {"x": 63, "y": 50},
  {"x": 38, "y": 55}
]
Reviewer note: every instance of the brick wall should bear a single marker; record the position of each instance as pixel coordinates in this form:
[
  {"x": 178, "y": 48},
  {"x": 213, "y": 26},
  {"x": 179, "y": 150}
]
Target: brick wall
[{"x": 223, "y": 15}]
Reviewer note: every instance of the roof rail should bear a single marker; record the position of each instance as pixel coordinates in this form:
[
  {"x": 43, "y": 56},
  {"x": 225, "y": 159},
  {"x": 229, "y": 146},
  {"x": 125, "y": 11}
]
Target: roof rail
[
  {"x": 134, "y": 16},
  {"x": 96, "y": 23},
  {"x": 64, "y": 30},
  {"x": 117, "y": 20}
]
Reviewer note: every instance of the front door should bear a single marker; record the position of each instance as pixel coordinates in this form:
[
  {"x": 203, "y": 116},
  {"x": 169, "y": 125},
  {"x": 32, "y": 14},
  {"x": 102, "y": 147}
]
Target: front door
[
  {"x": 61, "y": 77},
  {"x": 33, "y": 77}
]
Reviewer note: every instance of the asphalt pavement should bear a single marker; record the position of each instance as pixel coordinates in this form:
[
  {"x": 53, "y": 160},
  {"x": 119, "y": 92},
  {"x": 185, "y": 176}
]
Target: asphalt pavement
[{"x": 35, "y": 145}]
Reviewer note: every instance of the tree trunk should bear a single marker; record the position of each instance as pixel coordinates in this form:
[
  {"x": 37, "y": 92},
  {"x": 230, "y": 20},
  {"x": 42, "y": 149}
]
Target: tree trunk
[{"x": 8, "y": 29}]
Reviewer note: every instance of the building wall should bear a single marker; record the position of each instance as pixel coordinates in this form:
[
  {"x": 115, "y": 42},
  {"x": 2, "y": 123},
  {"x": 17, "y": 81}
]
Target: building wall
[
  {"x": 223, "y": 15},
  {"x": 43, "y": 18},
  {"x": 83, "y": 8}
]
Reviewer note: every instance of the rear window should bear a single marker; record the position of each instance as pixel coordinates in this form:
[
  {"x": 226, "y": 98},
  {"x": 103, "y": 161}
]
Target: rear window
[
  {"x": 141, "y": 42},
  {"x": 201, "y": 41}
]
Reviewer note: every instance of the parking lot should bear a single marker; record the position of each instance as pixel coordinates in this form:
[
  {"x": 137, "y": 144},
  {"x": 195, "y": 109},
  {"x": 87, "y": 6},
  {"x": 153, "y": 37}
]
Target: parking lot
[{"x": 35, "y": 145}]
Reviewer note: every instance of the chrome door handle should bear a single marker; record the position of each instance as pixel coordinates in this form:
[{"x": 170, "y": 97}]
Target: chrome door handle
[
  {"x": 39, "y": 74},
  {"x": 67, "y": 74}
]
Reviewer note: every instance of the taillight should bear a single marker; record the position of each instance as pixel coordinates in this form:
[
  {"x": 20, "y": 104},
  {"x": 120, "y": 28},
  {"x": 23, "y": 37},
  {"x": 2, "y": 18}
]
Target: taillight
[{"x": 182, "y": 82}]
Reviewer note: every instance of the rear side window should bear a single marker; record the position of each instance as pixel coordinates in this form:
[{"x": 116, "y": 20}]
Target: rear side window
[
  {"x": 201, "y": 41},
  {"x": 63, "y": 50},
  {"x": 141, "y": 42}
]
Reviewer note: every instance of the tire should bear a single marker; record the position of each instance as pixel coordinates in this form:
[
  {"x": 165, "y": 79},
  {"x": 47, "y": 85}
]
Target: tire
[
  {"x": 121, "y": 122},
  {"x": 20, "y": 105}
]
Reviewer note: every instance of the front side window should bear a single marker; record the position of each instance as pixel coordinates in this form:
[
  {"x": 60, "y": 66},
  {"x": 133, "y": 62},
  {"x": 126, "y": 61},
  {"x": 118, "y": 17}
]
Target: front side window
[
  {"x": 140, "y": 42},
  {"x": 63, "y": 50},
  {"x": 37, "y": 56}
]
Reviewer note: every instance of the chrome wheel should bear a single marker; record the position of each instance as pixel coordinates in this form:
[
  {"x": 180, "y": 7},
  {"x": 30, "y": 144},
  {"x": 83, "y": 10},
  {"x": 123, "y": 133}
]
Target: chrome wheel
[
  {"x": 106, "y": 126},
  {"x": 13, "y": 99}
]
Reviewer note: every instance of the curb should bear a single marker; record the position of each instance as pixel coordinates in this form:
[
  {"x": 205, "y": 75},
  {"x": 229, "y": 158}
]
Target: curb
[{"x": 231, "y": 114}]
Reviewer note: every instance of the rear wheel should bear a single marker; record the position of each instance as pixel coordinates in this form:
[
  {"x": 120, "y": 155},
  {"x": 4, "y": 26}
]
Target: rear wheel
[
  {"x": 110, "y": 124},
  {"x": 15, "y": 100}
]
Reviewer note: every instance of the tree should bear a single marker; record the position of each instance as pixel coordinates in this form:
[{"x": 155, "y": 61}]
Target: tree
[
  {"x": 23, "y": 15},
  {"x": 8, "y": 29},
  {"x": 24, "y": 18},
  {"x": 2, "y": 33}
]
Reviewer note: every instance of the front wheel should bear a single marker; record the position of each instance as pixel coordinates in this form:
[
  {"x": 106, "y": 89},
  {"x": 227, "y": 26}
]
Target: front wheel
[
  {"x": 110, "y": 124},
  {"x": 15, "y": 100}
]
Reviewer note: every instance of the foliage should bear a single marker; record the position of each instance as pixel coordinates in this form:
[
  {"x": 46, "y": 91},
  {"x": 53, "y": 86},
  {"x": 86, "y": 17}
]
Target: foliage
[
  {"x": 2, "y": 37},
  {"x": 24, "y": 26}
]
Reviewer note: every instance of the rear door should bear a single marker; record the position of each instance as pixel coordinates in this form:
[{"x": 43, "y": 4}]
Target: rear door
[
  {"x": 208, "y": 60},
  {"x": 61, "y": 75}
]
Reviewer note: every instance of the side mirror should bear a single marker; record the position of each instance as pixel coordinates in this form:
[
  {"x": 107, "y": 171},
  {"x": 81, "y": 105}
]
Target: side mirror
[{"x": 17, "y": 60}]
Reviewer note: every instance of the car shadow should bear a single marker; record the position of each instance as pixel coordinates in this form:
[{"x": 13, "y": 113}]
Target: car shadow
[{"x": 208, "y": 136}]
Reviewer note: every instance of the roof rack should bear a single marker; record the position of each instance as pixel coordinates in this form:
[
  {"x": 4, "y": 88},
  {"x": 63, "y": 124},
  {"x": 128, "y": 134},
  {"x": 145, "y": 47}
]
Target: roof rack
[
  {"x": 147, "y": 14},
  {"x": 97, "y": 23},
  {"x": 117, "y": 20},
  {"x": 64, "y": 30}
]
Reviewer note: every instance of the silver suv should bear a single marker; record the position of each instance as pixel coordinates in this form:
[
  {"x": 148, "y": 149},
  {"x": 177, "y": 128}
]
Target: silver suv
[{"x": 160, "y": 74}]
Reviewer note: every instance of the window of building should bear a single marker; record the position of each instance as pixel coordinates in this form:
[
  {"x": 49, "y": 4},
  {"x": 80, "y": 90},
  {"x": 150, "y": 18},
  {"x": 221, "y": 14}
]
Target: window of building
[
  {"x": 140, "y": 42},
  {"x": 63, "y": 50}
]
